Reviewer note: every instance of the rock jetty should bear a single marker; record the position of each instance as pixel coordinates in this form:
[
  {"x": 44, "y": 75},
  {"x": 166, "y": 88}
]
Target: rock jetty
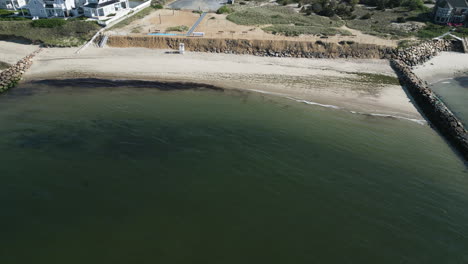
[
  {"x": 423, "y": 52},
  {"x": 12, "y": 75},
  {"x": 433, "y": 108}
]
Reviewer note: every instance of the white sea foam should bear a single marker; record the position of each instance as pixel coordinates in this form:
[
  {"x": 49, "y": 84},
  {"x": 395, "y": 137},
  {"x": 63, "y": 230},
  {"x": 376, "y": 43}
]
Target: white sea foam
[
  {"x": 419, "y": 121},
  {"x": 314, "y": 103}
]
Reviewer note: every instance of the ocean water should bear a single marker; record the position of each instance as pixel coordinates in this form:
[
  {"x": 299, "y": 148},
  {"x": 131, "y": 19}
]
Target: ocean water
[
  {"x": 454, "y": 93},
  {"x": 126, "y": 175}
]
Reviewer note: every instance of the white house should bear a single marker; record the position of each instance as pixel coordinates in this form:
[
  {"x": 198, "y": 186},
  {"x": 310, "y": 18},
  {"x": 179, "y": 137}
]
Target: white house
[
  {"x": 100, "y": 8},
  {"x": 51, "y": 8},
  {"x": 12, "y": 4},
  {"x": 451, "y": 11}
]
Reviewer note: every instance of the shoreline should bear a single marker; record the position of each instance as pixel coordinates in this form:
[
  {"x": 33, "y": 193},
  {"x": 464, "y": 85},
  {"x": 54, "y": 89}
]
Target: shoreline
[
  {"x": 446, "y": 65},
  {"x": 358, "y": 85},
  {"x": 31, "y": 86}
]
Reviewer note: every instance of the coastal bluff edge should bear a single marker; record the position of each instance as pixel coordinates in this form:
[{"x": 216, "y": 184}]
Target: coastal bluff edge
[{"x": 12, "y": 75}]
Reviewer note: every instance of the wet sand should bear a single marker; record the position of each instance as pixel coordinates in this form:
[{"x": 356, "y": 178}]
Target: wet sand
[{"x": 332, "y": 82}]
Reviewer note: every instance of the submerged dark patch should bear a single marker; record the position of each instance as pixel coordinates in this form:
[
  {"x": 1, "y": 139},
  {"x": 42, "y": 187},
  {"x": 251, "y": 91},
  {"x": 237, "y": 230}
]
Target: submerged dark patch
[{"x": 95, "y": 83}]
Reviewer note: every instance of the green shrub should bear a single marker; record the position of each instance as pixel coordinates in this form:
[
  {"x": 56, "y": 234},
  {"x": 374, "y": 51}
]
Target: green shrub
[
  {"x": 413, "y": 4},
  {"x": 367, "y": 16},
  {"x": 432, "y": 31},
  {"x": 158, "y": 4},
  {"x": 13, "y": 18},
  {"x": 400, "y": 20},
  {"x": 224, "y": 10},
  {"x": 178, "y": 28},
  {"x": 4, "y": 12},
  {"x": 72, "y": 33},
  {"x": 48, "y": 23}
]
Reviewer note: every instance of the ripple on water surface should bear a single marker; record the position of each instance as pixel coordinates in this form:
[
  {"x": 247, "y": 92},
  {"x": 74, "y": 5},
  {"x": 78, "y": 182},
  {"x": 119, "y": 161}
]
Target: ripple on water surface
[{"x": 145, "y": 176}]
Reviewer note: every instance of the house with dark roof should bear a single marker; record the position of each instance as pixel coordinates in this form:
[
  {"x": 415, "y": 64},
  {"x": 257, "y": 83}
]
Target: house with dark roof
[
  {"x": 451, "y": 11},
  {"x": 101, "y": 8}
]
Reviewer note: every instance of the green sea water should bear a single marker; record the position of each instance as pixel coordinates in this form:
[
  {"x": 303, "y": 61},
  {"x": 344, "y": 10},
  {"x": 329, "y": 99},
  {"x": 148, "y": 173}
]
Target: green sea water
[
  {"x": 121, "y": 175},
  {"x": 454, "y": 93}
]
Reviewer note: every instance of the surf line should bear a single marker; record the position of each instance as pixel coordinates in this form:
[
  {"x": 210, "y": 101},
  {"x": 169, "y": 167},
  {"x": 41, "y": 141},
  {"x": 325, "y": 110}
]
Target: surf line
[{"x": 419, "y": 121}]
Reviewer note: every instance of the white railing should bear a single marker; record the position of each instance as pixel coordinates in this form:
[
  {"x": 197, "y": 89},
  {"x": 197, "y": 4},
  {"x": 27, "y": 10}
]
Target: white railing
[
  {"x": 115, "y": 20},
  {"x": 124, "y": 14}
]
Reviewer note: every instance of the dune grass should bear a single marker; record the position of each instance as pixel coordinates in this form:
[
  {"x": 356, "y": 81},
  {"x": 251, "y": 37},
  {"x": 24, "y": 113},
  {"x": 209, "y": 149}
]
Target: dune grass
[
  {"x": 72, "y": 33},
  {"x": 284, "y": 20},
  {"x": 177, "y": 29}
]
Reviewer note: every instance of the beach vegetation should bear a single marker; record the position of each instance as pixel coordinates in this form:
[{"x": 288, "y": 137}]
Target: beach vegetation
[
  {"x": 177, "y": 29},
  {"x": 433, "y": 30},
  {"x": 285, "y": 21},
  {"x": 4, "y": 12},
  {"x": 224, "y": 10},
  {"x": 48, "y": 23},
  {"x": 377, "y": 78},
  {"x": 158, "y": 4},
  {"x": 60, "y": 34},
  {"x": 292, "y": 30},
  {"x": 393, "y": 23}
]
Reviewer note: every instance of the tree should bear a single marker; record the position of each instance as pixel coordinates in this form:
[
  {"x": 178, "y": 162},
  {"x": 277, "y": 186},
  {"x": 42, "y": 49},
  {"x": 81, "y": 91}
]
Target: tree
[{"x": 413, "y": 4}]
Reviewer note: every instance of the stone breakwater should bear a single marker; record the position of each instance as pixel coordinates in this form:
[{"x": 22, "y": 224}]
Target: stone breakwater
[
  {"x": 423, "y": 52},
  {"x": 433, "y": 108},
  {"x": 12, "y": 75}
]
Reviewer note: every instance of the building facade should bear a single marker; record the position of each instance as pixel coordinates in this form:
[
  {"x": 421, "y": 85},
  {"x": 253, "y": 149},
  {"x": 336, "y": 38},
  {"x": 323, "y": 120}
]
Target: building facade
[
  {"x": 51, "y": 8},
  {"x": 101, "y": 8},
  {"x": 451, "y": 11},
  {"x": 12, "y": 4},
  {"x": 69, "y": 8}
]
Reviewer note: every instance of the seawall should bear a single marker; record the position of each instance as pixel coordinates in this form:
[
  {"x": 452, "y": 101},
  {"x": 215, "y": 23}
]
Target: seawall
[
  {"x": 273, "y": 48},
  {"x": 433, "y": 108},
  {"x": 12, "y": 75},
  {"x": 412, "y": 56}
]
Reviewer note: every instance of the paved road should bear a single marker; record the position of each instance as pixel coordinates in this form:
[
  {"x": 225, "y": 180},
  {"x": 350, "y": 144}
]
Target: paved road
[{"x": 204, "y": 5}]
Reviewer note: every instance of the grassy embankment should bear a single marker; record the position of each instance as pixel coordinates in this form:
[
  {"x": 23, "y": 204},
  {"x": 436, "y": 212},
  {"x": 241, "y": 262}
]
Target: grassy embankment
[
  {"x": 401, "y": 22},
  {"x": 283, "y": 20},
  {"x": 72, "y": 32},
  {"x": 396, "y": 23}
]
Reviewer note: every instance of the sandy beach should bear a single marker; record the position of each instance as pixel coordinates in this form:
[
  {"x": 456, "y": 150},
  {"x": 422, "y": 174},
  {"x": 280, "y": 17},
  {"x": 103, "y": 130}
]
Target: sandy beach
[
  {"x": 444, "y": 66},
  {"x": 11, "y": 52},
  {"x": 323, "y": 81},
  {"x": 336, "y": 83}
]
